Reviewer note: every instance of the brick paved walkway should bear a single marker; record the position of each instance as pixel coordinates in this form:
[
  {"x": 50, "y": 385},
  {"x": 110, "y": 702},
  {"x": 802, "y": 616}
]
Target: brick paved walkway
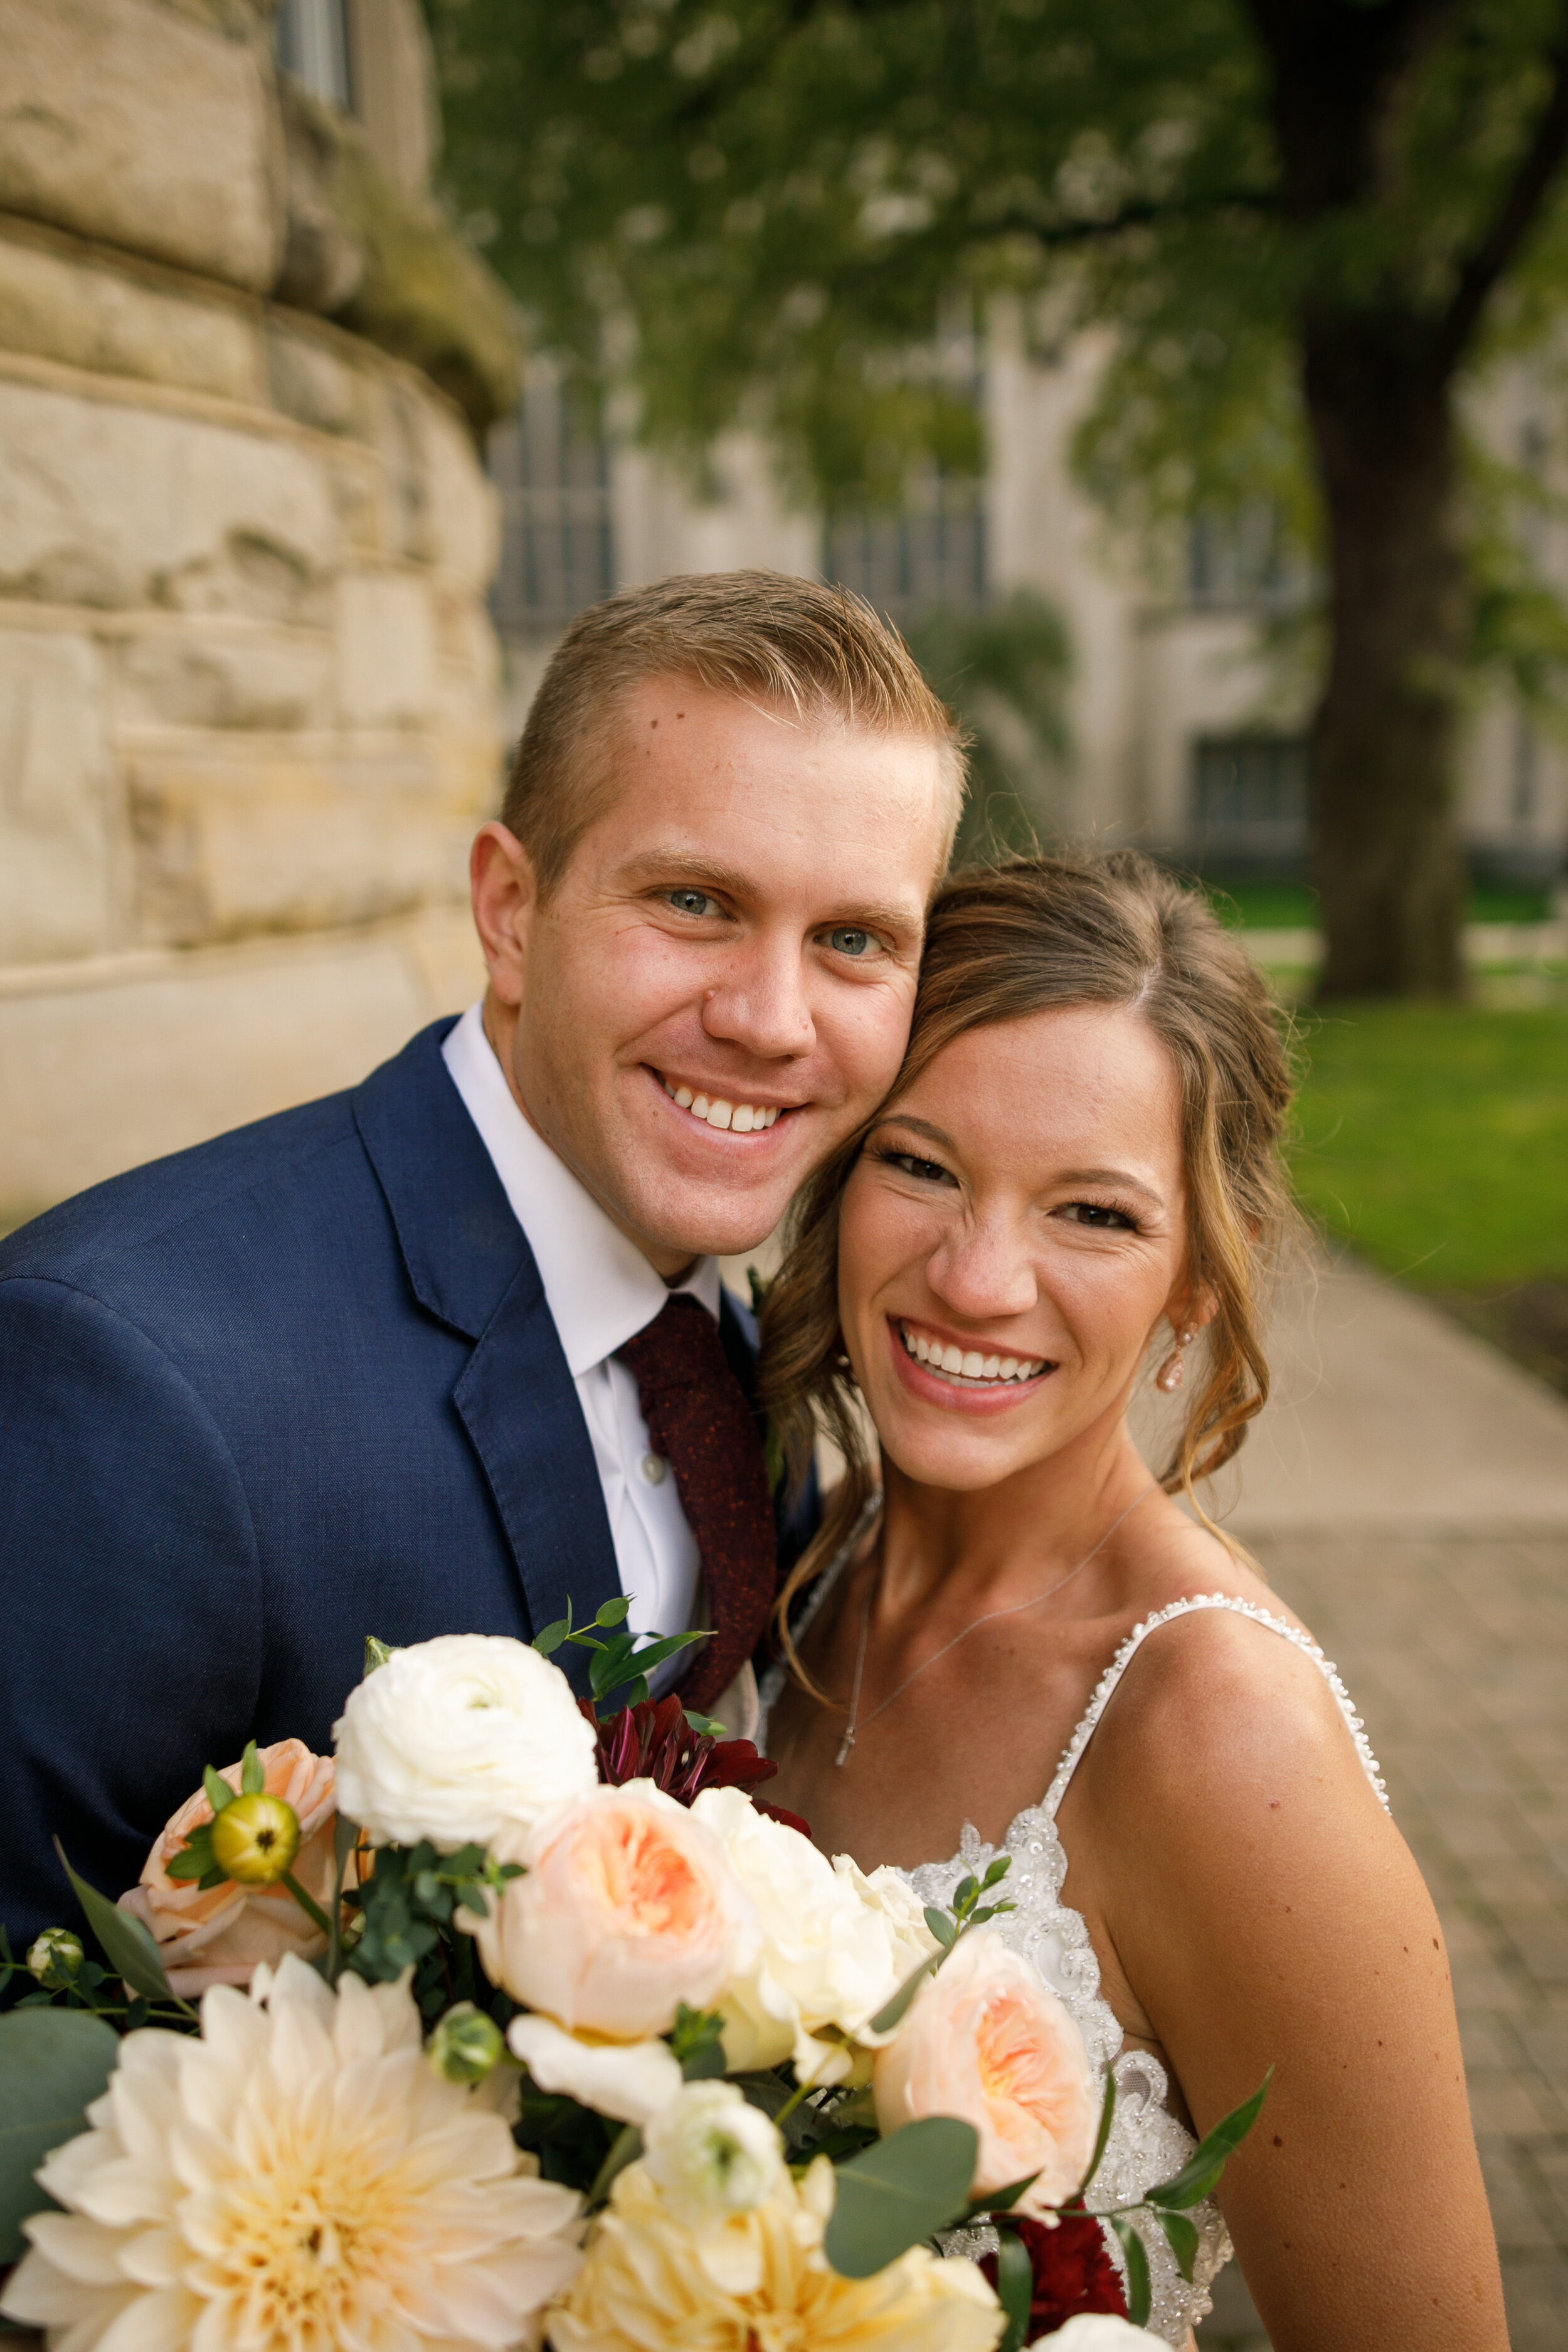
[
  {"x": 1448, "y": 1617},
  {"x": 1456, "y": 1649}
]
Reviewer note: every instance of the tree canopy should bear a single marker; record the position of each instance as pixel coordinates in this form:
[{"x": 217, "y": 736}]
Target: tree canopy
[{"x": 786, "y": 213}]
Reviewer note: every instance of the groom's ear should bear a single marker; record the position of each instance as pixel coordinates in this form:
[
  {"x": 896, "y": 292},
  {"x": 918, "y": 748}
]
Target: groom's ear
[{"x": 505, "y": 893}]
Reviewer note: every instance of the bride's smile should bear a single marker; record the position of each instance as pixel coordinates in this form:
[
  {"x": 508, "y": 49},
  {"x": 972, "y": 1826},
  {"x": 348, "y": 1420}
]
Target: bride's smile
[{"x": 1012, "y": 1235}]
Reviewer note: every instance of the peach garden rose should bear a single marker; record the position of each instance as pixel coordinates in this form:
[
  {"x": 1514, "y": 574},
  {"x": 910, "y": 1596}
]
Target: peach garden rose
[
  {"x": 627, "y": 1907},
  {"x": 218, "y": 1936},
  {"x": 985, "y": 2040}
]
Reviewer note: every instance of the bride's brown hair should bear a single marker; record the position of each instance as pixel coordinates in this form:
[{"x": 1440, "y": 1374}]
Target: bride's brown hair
[{"x": 1004, "y": 942}]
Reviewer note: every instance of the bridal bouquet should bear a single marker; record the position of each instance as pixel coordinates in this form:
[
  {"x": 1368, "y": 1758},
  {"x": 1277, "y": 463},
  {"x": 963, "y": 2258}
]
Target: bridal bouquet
[{"x": 509, "y": 2025}]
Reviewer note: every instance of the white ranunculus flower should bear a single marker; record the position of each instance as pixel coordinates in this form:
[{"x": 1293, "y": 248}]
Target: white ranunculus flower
[
  {"x": 295, "y": 2175},
  {"x": 712, "y": 2153},
  {"x": 461, "y": 1740},
  {"x": 836, "y": 1945},
  {"x": 629, "y": 2080}
]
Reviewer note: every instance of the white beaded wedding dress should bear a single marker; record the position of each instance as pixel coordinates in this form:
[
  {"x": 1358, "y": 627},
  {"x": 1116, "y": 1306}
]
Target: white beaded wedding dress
[{"x": 1147, "y": 2142}]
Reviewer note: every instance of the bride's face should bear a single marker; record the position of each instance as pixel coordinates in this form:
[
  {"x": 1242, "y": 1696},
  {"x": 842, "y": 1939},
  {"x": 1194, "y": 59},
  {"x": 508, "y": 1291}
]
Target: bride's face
[{"x": 1012, "y": 1233}]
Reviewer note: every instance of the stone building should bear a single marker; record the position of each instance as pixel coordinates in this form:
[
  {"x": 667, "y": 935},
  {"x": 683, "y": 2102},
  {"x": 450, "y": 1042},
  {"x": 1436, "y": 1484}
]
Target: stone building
[{"x": 248, "y": 705}]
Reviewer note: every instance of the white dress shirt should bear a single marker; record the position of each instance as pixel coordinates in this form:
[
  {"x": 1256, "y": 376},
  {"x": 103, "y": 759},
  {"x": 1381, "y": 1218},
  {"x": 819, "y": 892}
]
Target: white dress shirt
[{"x": 601, "y": 1291}]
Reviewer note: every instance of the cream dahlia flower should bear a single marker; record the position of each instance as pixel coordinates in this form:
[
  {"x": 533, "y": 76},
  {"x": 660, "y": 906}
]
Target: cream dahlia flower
[
  {"x": 298, "y": 2179},
  {"x": 761, "y": 2283}
]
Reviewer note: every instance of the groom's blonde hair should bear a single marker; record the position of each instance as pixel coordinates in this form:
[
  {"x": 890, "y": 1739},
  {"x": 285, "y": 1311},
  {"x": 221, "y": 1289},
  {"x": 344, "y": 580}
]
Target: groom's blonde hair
[{"x": 816, "y": 654}]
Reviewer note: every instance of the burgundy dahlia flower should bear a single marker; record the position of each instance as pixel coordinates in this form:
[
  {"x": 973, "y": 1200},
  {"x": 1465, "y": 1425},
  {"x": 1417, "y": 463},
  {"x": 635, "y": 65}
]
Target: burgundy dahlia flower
[
  {"x": 1073, "y": 2272},
  {"x": 653, "y": 1741}
]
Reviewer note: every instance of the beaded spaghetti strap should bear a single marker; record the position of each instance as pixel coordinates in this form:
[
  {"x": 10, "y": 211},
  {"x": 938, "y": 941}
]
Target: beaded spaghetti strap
[{"x": 1139, "y": 1635}]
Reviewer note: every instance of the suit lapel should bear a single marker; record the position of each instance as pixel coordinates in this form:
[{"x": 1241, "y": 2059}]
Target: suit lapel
[
  {"x": 468, "y": 1264},
  {"x": 519, "y": 1404}
]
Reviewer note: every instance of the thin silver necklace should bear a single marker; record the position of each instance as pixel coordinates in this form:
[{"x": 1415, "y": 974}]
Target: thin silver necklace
[{"x": 856, "y": 1724}]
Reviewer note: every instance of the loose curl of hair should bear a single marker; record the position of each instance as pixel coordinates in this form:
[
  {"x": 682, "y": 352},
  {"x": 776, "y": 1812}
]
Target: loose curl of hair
[{"x": 1005, "y": 943}]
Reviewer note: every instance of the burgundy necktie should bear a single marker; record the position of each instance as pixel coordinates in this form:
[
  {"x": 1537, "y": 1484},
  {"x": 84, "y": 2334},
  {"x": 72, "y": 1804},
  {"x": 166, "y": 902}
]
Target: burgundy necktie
[{"x": 698, "y": 1420}]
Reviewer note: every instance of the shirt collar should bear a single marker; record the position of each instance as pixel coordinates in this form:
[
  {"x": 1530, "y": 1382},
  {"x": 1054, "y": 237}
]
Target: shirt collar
[{"x": 600, "y": 1289}]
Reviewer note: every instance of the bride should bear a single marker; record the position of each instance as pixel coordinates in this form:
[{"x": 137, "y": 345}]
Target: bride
[{"x": 1024, "y": 1641}]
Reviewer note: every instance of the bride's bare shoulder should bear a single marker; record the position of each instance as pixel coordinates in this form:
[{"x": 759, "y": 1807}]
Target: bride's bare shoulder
[{"x": 1219, "y": 1716}]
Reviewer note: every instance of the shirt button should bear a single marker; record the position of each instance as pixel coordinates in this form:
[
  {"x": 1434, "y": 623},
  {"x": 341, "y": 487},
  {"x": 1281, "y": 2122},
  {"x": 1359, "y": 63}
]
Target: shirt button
[{"x": 654, "y": 1468}]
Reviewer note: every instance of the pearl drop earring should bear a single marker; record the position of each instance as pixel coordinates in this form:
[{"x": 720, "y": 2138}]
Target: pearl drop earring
[{"x": 1174, "y": 1371}]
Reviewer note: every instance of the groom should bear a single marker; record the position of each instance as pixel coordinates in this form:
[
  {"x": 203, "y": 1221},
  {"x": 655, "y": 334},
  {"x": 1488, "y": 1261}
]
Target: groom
[{"x": 448, "y": 1352}]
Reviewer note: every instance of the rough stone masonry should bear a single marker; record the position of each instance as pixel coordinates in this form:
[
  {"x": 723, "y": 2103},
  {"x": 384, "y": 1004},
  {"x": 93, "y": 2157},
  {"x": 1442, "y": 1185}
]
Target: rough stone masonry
[{"x": 248, "y": 710}]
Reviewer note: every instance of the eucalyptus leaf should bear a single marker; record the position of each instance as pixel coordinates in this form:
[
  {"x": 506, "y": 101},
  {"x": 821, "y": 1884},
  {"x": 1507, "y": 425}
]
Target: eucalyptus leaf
[
  {"x": 548, "y": 1642},
  {"x": 53, "y": 2063},
  {"x": 1199, "y": 2177},
  {"x": 614, "y": 1612},
  {"x": 127, "y": 1946},
  {"x": 942, "y": 1926},
  {"x": 1014, "y": 2288},
  {"x": 1001, "y": 2201},
  {"x": 1183, "y": 2239},
  {"x": 1132, "y": 2247},
  {"x": 1108, "y": 2110},
  {"x": 886, "y": 2019},
  {"x": 899, "y": 2191},
  {"x": 656, "y": 1652}
]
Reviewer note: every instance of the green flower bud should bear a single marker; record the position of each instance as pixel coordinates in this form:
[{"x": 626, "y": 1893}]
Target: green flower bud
[
  {"x": 466, "y": 2045},
  {"x": 55, "y": 1958},
  {"x": 255, "y": 1840}
]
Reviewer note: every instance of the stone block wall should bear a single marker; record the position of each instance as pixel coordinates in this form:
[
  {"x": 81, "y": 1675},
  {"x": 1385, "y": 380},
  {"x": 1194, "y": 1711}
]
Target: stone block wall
[{"x": 248, "y": 691}]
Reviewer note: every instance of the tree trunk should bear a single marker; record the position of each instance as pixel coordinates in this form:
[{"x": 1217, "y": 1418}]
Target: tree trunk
[{"x": 1386, "y": 852}]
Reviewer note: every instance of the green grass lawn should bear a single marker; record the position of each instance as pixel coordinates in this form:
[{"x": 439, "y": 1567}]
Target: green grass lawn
[
  {"x": 1293, "y": 906},
  {"x": 1435, "y": 1141}
]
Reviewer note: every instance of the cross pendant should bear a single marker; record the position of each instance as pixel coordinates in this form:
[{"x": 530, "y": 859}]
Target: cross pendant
[{"x": 845, "y": 1745}]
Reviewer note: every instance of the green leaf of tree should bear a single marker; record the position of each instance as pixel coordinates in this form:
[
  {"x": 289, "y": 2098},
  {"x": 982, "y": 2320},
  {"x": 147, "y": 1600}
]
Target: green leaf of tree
[{"x": 899, "y": 2191}]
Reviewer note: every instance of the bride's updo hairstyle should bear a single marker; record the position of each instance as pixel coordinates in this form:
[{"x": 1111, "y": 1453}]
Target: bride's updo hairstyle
[{"x": 1005, "y": 943}]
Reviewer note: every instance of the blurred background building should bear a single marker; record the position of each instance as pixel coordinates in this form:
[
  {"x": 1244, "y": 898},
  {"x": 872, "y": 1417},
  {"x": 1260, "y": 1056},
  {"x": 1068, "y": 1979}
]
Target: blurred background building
[{"x": 1187, "y": 683}]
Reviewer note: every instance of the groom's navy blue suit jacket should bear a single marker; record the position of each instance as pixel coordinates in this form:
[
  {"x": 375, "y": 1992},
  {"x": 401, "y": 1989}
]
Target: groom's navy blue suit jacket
[{"x": 258, "y": 1400}]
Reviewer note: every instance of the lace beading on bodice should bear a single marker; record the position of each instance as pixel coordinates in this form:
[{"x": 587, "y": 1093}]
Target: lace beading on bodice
[{"x": 1147, "y": 2143}]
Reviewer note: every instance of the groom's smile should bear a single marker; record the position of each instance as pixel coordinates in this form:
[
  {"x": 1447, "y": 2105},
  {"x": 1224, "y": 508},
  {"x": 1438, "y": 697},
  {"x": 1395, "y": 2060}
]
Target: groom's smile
[{"x": 718, "y": 988}]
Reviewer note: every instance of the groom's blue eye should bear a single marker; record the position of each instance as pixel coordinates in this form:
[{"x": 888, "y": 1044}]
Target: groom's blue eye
[
  {"x": 692, "y": 902},
  {"x": 850, "y": 941}
]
